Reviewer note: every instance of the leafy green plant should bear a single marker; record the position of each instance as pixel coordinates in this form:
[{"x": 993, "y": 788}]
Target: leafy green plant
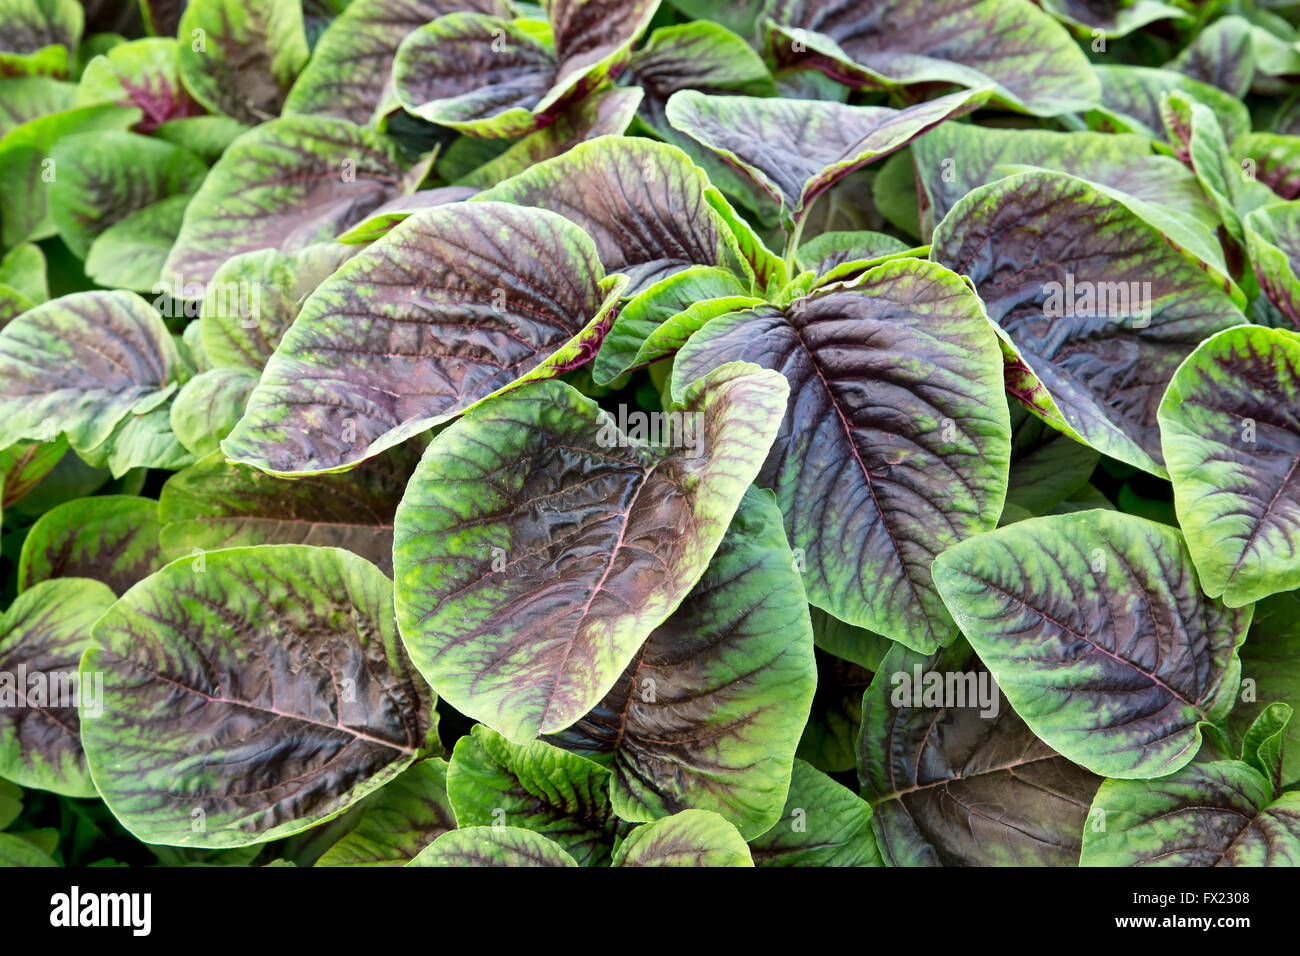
[{"x": 605, "y": 434}]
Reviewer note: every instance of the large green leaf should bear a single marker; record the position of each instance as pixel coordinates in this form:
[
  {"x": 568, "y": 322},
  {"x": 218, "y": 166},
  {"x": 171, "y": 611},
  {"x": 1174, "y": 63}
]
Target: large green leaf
[
  {"x": 250, "y": 694},
  {"x": 1230, "y": 424},
  {"x": 42, "y": 637},
  {"x": 214, "y": 504},
  {"x": 689, "y": 838},
  {"x": 80, "y": 365},
  {"x": 822, "y": 824},
  {"x": 708, "y": 713},
  {"x": 398, "y": 821},
  {"x": 955, "y": 777},
  {"x": 284, "y": 185},
  {"x": 1095, "y": 627},
  {"x": 239, "y": 57},
  {"x": 896, "y": 440},
  {"x": 462, "y": 301},
  {"x": 650, "y": 210},
  {"x": 794, "y": 150},
  {"x": 493, "y": 846},
  {"x": 562, "y": 796},
  {"x": 105, "y": 176},
  {"x": 1097, "y": 306},
  {"x": 1036, "y": 65},
  {"x": 351, "y": 61},
  {"x": 538, "y": 545},
  {"x": 110, "y": 538},
  {"x": 955, "y": 158},
  {"x": 1207, "y": 814},
  {"x": 26, "y": 170}
]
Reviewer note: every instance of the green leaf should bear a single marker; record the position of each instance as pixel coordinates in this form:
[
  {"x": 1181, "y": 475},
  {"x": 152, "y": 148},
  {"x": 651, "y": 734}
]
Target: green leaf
[
  {"x": 208, "y": 406},
  {"x": 284, "y": 185},
  {"x": 490, "y": 76},
  {"x": 607, "y": 113},
  {"x": 250, "y": 695},
  {"x": 39, "y": 36},
  {"x": 103, "y": 177},
  {"x": 398, "y": 821},
  {"x": 895, "y": 442},
  {"x": 832, "y": 250},
  {"x": 214, "y": 504},
  {"x": 506, "y": 295},
  {"x": 794, "y": 150},
  {"x": 143, "y": 73},
  {"x": 694, "y": 56},
  {"x": 618, "y": 187},
  {"x": 25, "y": 165},
  {"x": 492, "y": 846},
  {"x": 1113, "y": 20},
  {"x": 535, "y": 786},
  {"x": 42, "y": 637},
  {"x": 708, "y": 713},
  {"x": 1195, "y": 131},
  {"x": 253, "y": 298},
  {"x": 239, "y": 57},
  {"x": 23, "y": 465},
  {"x": 1207, "y": 814},
  {"x": 539, "y": 500},
  {"x": 80, "y": 365},
  {"x": 1131, "y": 97},
  {"x": 15, "y": 851},
  {"x": 689, "y": 838},
  {"x": 955, "y": 158},
  {"x": 955, "y": 777},
  {"x": 1095, "y": 628},
  {"x": 23, "y": 270},
  {"x": 1097, "y": 308},
  {"x": 352, "y": 60},
  {"x": 1047, "y": 466},
  {"x": 205, "y": 136},
  {"x": 822, "y": 824},
  {"x": 110, "y": 538},
  {"x": 1270, "y": 674},
  {"x": 11, "y": 803},
  {"x": 1262, "y": 746},
  {"x": 130, "y": 253},
  {"x": 657, "y": 323},
  {"x": 24, "y": 98},
  {"x": 1230, "y": 424},
  {"x": 1037, "y": 67},
  {"x": 1272, "y": 234},
  {"x": 1222, "y": 55}
]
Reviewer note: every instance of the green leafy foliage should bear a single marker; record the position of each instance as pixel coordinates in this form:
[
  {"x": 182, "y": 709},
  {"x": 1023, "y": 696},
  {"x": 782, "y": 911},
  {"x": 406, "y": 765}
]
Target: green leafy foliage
[{"x": 614, "y": 433}]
